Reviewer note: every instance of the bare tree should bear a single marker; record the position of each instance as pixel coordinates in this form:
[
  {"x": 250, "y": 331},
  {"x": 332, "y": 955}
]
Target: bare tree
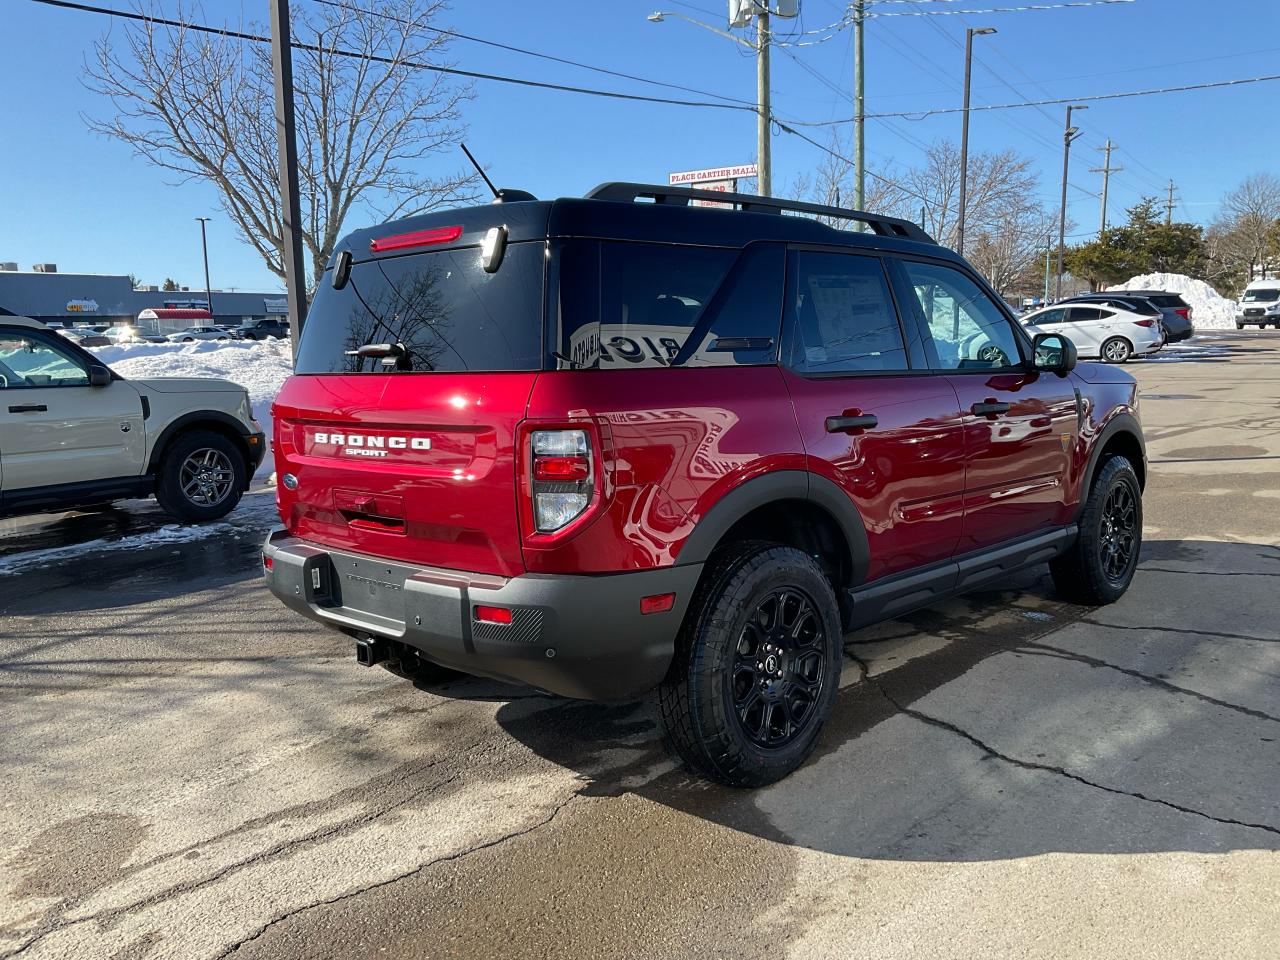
[
  {"x": 831, "y": 183},
  {"x": 1246, "y": 230},
  {"x": 202, "y": 106}
]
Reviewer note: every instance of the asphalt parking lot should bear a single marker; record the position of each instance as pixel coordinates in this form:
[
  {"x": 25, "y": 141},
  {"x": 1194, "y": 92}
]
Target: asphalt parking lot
[{"x": 191, "y": 772}]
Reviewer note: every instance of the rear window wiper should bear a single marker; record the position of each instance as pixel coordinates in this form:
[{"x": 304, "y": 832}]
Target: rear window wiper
[{"x": 389, "y": 353}]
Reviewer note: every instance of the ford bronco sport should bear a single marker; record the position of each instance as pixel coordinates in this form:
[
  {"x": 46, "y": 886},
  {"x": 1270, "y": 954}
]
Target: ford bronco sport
[
  {"x": 73, "y": 433},
  {"x": 609, "y": 444}
]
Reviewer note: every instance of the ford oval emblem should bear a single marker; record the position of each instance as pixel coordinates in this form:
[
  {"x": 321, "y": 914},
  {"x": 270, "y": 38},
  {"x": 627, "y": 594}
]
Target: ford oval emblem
[{"x": 290, "y": 481}]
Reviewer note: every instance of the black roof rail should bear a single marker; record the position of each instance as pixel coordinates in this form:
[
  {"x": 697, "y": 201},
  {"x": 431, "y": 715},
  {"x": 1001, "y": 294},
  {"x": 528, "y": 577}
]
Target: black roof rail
[{"x": 884, "y": 226}]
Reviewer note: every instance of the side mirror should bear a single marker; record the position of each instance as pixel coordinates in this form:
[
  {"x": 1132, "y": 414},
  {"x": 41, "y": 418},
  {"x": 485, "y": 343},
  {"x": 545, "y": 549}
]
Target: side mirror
[
  {"x": 99, "y": 376},
  {"x": 1054, "y": 353}
]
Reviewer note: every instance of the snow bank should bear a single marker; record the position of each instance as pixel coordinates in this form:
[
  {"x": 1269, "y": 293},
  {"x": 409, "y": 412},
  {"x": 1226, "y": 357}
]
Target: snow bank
[
  {"x": 260, "y": 366},
  {"x": 1210, "y": 310}
]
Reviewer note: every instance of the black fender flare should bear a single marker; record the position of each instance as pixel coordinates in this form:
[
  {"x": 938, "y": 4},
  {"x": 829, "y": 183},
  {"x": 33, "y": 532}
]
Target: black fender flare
[
  {"x": 1120, "y": 423},
  {"x": 769, "y": 488},
  {"x": 194, "y": 419}
]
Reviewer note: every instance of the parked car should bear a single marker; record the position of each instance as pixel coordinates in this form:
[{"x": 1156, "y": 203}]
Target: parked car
[
  {"x": 1175, "y": 311},
  {"x": 1259, "y": 305},
  {"x": 192, "y": 334},
  {"x": 127, "y": 333},
  {"x": 1107, "y": 333},
  {"x": 1177, "y": 325},
  {"x": 74, "y": 433},
  {"x": 261, "y": 329},
  {"x": 602, "y": 446},
  {"x": 85, "y": 336}
]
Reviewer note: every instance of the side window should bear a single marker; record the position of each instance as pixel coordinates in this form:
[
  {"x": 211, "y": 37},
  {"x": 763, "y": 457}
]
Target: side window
[
  {"x": 626, "y": 305},
  {"x": 1083, "y": 314},
  {"x": 966, "y": 329},
  {"x": 1048, "y": 318},
  {"x": 742, "y": 321},
  {"x": 842, "y": 315},
  {"x": 29, "y": 359}
]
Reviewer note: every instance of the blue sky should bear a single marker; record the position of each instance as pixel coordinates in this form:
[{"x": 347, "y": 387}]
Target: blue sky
[{"x": 88, "y": 205}]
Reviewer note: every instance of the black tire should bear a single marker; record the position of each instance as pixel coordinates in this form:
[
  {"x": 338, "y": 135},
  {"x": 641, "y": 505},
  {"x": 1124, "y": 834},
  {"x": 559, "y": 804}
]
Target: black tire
[
  {"x": 716, "y": 687},
  {"x": 187, "y": 490},
  {"x": 1239, "y": 326},
  {"x": 1119, "y": 348},
  {"x": 1092, "y": 572}
]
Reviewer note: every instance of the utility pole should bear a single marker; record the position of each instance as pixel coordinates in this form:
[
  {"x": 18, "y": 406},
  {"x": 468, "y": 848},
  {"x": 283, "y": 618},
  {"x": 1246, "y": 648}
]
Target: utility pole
[
  {"x": 287, "y": 147},
  {"x": 969, "y": 34},
  {"x": 1106, "y": 170},
  {"x": 764, "y": 162},
  {"x": 1069, "y": 133},
  {"x": 204, "y": 245},
  {"x": 1168, "y": 206},
  {"x": 1048, "y": 252},
  {"x": 859, "y": 109}
]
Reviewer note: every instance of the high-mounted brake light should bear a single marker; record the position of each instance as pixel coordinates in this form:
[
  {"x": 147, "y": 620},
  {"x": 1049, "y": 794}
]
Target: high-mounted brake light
[{"x": 419, "y": 238}]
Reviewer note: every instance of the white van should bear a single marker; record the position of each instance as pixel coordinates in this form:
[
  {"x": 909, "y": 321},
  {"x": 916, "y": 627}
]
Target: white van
[{"x": 1259, "y": 305}]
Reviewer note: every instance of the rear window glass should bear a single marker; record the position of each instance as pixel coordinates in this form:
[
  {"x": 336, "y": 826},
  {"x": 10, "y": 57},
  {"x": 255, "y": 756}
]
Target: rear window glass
[
  {"x": 1167, "y": 300},
  {"x": 627, "y": 305},
  {"x": 440, "y": 311}
]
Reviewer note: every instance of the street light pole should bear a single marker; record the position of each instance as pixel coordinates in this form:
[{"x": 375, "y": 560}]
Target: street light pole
[
  {"x": 287, "y": 147},
  {"x": 969, "y": 34},
  {"x": 204, "y": 246},
  {"x": 1069, "y": 133},
  {"x": 859, "y": 109}
]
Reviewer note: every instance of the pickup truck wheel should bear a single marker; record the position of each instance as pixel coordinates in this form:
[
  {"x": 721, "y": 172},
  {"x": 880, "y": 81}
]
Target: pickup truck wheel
[
  {"x": 757, "y": 666},
  {"x": 1100, "y": 565},
  {"x": 1116, "y": 350},
  {"x": 201, "y": 477}
]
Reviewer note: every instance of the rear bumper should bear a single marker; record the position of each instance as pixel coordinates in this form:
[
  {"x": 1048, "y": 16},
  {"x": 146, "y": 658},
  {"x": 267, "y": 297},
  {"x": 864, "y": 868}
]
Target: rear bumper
[{"x": 577, "y": 636}]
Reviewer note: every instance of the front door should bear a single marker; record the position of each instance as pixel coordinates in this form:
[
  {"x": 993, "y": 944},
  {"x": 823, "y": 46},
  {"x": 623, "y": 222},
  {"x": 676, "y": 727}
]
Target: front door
[
  {"x": 1020, "y": 425},
  {"x": 54, "y": 427},
  {"x": 873, "y": 420}
]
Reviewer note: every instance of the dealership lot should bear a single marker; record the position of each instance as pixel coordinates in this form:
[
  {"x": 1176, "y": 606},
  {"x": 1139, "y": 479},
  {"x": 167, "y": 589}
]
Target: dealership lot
[{"x": 191, "y": 771}]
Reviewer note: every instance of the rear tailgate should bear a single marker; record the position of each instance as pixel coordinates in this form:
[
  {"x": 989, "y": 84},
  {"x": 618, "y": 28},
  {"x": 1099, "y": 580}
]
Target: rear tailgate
[{"x": 419, "y": 469}]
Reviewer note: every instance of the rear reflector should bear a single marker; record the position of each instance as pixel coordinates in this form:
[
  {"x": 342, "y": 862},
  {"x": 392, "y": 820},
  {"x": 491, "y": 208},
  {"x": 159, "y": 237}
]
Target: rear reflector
[
  {"x": 492, "y": 614},
  {"x": 658, "y": 603},
  {"x": 419, "y": 238}
]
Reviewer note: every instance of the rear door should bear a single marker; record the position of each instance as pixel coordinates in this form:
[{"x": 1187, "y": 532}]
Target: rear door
[
  {"x": 1019, "y": 424},
  {"x": 399, "y": 427},
  {"x": 872, "y": 417},
  {"x": 54, "y": 427},
  {"x": 1087, "y": 327}
]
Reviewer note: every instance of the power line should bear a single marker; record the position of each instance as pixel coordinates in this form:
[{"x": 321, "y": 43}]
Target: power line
[
  {"x": 529, "y": 53},
  {"x": 989, "y": 10},
  {"x": 922, "y": 114},
  {"x": 375, "y": 58}
]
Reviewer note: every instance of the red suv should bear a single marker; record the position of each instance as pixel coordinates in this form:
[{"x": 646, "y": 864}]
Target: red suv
[{"x": 609, "y": 444}]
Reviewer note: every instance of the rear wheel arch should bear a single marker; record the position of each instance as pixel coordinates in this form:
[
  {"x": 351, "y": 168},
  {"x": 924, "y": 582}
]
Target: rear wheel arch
[{"x": 790, "y": 507}]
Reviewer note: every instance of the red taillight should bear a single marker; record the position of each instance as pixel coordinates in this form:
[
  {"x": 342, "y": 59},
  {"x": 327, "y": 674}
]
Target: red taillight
[
  {"x": 492, "y": 614},
  {"x": 1183, "y": 312},
  {"x": 658, "y": 603},
  {"x": 267, "y": 562},
  {"x": 1144, "y": 323},
  {"x": 419, "y": 238},
  {"x": 561, "y": 468}
]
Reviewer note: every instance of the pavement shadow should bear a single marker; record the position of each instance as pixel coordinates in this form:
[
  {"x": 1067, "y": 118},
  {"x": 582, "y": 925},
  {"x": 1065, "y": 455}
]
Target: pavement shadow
[{"x": 893, "y": 781}]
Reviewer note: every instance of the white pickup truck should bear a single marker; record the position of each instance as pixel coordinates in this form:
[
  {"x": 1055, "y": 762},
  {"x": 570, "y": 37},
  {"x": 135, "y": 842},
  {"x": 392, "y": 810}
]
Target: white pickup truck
[{"x": 73, "y": 433}]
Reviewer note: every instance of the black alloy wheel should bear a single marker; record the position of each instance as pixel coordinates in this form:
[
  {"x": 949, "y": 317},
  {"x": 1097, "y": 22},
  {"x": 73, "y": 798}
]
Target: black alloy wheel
[{"x": 1116, "y": 545}]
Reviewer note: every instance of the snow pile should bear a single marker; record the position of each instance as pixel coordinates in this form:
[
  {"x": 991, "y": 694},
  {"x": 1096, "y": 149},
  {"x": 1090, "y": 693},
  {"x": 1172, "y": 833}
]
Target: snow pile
[
  {"x": 1209, "y": 309},
  {"x": 260, "y": 366}
]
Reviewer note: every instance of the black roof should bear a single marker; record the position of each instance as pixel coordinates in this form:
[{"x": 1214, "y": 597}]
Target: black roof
[{"x": 646, "y": 212}]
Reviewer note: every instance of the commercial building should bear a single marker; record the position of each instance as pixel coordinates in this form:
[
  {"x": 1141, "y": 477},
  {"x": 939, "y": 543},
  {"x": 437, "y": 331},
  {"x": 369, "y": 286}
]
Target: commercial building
[{"x": 86, "y": 299}]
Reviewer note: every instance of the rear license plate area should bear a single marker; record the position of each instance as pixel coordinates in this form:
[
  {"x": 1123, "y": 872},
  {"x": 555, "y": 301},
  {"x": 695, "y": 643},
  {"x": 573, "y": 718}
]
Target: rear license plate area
[{"x": 370, "y": 587}]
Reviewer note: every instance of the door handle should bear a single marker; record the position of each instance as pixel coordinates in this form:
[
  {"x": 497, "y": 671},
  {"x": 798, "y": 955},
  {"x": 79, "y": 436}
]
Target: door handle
[
  {"x": 29, "y": 408},
  {"x": 989, "y": 409},
  {"x": 848, "y": 424}
]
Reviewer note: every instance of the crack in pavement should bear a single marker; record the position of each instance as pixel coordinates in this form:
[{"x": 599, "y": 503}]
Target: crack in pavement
[
  {"x": 62, "y": 922},
  {"x": 1209, "y": 573},
  {"x": 1181, "y": 630},
  {"x": 1058, "y": 653},
  {"x": 347, "y": 895},
  {"x": 1045, "y": 767}
]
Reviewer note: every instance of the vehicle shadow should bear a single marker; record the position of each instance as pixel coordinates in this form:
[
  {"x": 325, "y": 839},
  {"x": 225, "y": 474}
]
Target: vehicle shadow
[{"x": 899, "y": 774}]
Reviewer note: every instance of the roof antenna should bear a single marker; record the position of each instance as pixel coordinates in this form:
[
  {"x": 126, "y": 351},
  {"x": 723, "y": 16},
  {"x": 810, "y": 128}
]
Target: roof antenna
[{"x": 480, "y": 170}]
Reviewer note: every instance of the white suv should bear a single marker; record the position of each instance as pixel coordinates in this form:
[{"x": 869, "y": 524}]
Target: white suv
[{"x": 74, "y": 433}]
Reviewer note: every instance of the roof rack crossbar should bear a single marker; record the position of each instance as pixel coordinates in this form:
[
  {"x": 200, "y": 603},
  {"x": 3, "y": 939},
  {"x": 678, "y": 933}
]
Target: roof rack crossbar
[{"x": 681, "y": 196}]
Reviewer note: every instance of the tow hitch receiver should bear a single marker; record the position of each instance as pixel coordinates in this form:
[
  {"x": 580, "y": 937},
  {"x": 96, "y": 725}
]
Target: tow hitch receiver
[{"x": 370, "y": 651}]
